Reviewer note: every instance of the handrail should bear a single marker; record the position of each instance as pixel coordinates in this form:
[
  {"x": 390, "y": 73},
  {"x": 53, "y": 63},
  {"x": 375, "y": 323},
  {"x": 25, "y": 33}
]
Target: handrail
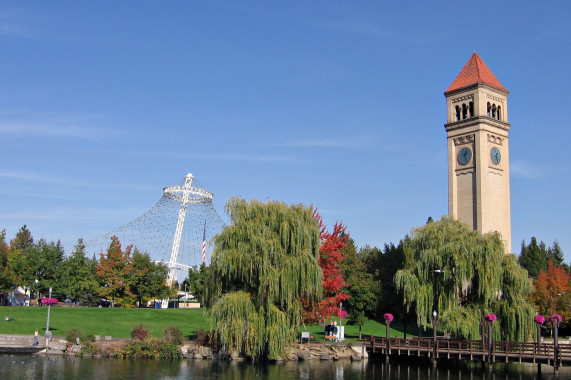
[{"x": 472, "y": 349}]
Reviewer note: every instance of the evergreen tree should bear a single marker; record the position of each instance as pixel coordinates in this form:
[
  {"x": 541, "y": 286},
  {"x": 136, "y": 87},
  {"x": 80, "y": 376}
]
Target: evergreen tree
[
  {"x": 22, "y": 241},
  {"x": 262, "y": 264},
  {"x": 533, "y": 258},
  {"x": 555, "y": 254}
]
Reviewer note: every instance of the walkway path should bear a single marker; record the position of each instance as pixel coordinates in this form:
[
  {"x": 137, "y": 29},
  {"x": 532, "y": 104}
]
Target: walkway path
[{"x": 22, "y": 344}]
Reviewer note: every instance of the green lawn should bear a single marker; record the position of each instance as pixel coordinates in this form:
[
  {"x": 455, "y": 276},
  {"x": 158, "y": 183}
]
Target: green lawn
[
  {"x": 119, "y": 322},
  {"x": 371, "y": 327}
]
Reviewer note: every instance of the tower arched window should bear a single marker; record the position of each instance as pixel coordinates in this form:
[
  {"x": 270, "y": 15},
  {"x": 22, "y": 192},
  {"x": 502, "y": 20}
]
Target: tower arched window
[
  {"x": 457, "y": 113},
  {"x": 489, "y": 110},
  {"x": 493, "y": 111},
  {"x": 499, "y": 113},
  {"x": 471, "y": 106},
  {"x": 464, "y": 111}
]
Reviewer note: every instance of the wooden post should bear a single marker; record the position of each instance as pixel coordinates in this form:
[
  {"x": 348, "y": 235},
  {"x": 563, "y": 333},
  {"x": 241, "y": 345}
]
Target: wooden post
[
  {"x": 490, "y": 341},
  {"x": 434, "y": 341},
  {"x": 555, "y": 343},
  {"x": 388, "y": 342}
]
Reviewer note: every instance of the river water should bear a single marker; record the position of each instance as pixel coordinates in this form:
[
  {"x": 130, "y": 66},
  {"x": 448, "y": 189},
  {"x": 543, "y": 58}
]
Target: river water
[{"x": 61, "y": 367}]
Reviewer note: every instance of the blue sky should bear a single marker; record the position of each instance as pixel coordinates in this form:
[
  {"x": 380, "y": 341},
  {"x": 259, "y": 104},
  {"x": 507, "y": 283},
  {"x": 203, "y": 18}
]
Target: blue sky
[{"x": 338, "y": 104}]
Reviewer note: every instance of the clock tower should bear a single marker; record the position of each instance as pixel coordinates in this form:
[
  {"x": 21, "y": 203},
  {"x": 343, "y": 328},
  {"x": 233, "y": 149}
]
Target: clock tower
[{"x": 478, "y": 153}]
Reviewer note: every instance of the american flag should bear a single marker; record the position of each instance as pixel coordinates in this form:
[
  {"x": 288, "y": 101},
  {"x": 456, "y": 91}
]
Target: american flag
[{"x": 204, "y": 246}]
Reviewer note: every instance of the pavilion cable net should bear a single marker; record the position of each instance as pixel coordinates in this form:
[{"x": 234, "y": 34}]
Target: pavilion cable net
[{"x": 173, "y": 231}]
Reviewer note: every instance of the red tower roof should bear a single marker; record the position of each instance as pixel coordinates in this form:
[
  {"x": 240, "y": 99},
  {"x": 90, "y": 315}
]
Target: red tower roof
[{"x": 475, "y": 71}]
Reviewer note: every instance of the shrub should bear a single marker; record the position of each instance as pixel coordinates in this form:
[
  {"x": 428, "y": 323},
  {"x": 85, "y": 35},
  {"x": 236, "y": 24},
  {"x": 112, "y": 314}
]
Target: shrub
[
  {"x": 152, "y": 349},
  {"x": 173, "y": 335},
  {"x": 203, "y": 337},
  {"x": 73, "y": 334},
  {"x": 90, "y": 349},
  {"x": 139, "y": 332}
]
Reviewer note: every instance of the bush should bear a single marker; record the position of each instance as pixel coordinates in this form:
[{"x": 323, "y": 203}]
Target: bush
[
  {"x": 72, "y": 335},
  {"x": 173, "y": 335},
  {"x": 92, "y": 349},
  {"x": 152, "y": 349},
  {"x": 203, "y": 338},
  {"x": 139, "y": 332}
]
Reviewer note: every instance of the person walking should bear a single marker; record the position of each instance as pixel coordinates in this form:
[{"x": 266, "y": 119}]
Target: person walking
[{"x": 36, "y": 337}]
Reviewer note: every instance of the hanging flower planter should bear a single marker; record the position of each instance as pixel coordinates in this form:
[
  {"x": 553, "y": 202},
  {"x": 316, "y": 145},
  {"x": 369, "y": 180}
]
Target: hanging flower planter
[
  {"x": 388, "y": 317},
  {"x": 49, "y": 301},
  {"x": 539, "y": 319},
  {"x": 490, "y": 317},
  {"x": 342, "y": 314},
  {"x": 556, "y": 316}
]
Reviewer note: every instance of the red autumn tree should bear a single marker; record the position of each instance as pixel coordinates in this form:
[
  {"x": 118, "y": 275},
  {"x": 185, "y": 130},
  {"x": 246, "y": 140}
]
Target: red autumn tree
[
  {"x": 113, "y": 270},
  {"x": 330, "y": 254},
  {"x": 551, "y": 290}
]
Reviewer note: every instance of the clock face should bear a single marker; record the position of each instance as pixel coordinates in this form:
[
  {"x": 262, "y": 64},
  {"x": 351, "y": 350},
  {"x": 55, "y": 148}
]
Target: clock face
[
  {"x": 495, "y": 155},
  {"x": 464, "y": 156}
]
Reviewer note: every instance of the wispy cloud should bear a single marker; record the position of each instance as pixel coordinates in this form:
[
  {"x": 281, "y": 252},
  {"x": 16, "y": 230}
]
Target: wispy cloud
[
  {"x": 342, "y": 142},
  {"x": 363, "y": 27},
  {"x": 245, "y": 157},
  {"x": 54, "y": 129},
  {"x": 524, "y": 169},
  {"x": 18, "y": 22},
  {"x": 10, "y": 25},
  {"x": 50, "y": 178}
]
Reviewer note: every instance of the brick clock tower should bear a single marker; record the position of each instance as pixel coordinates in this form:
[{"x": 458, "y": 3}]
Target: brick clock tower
[{"x": 478, "y": 152}]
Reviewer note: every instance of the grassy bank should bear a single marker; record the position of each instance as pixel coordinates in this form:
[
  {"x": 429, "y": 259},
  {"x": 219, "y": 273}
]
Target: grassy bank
[
  {"x": 119, "y": 322},
  {"x": 116, "y": 322}
]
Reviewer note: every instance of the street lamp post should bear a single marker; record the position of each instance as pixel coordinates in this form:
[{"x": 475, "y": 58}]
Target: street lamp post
[
  {"x": 49, "y": 305},
  {"x": 434, "y": 328}
]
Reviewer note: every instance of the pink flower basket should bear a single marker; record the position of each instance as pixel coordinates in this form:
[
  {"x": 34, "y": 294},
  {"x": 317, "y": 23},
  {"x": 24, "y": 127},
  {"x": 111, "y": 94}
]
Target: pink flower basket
[
  {"x": 388, "y": 317},
  {"x": 490, "y": 317},
  {"x": 539, "y": 319},
  {"x": 556, "y": 316},
  {"x": 49, "y": 301}
]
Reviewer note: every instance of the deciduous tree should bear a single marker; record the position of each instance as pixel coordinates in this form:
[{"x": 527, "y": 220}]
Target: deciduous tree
[
  {"x": 196, "y": 282},
  {"x": 262, "y": 264},
  {"x": 147, "y": 280},
  {"x": 330, "y": 255},
  {"x": 550, "y": 287},
  {"x": 113, "y": 270},
  {"x": 78, "y": 278},
  {"x": 39, "y": 266},
  {"x": 6, "y": 274},
  {"x": 360, "y": 287},
  {"x": 464, "y": 275}
]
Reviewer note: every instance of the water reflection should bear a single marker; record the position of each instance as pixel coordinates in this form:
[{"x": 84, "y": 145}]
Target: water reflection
[{"x": 48, "y": 368}]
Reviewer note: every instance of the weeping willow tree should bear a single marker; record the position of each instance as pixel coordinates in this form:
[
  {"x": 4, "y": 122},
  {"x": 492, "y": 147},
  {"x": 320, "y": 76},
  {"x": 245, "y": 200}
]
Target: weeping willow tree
[
  {"x": 464, "y": 275},
  {"x": 263, "y": 263}
]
